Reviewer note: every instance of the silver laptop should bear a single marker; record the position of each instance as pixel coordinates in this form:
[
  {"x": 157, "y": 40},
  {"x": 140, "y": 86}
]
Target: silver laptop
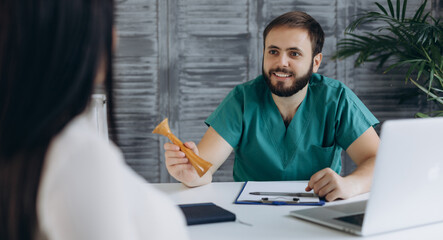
[{"x": 407, "y": 187}]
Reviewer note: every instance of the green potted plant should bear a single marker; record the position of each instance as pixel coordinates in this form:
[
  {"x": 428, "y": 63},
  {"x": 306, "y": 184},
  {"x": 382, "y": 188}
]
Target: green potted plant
[{"x": 414, "y": 43}]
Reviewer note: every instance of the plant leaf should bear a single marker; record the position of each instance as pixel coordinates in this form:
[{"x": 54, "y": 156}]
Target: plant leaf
[
  {"x": 420, "y": 70},
  {"x": 426, "y": 91},
  {"x": 411, "y": 69},
  {"x": 381, "y": 8},
  {"x": 398, "y": 9},
  {"x": 439, "y": 76},
  {"x": 437, "y": 90},
  {"x": 435, "y": 54},
  {"x": 391, "y": 8},
  {"x": 419, "y": 12},
  {"x": 415, "y": 61},
  {"x": 431, "y": 78},
  {"x": 405, "y": 2},
  {"x": 421, "y": 115},
  {"x": 425, "y": 17}
]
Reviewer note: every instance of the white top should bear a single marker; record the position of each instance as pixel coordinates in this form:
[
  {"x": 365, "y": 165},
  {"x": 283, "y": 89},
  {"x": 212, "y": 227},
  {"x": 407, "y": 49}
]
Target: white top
[{"x": 88, "y": 192}]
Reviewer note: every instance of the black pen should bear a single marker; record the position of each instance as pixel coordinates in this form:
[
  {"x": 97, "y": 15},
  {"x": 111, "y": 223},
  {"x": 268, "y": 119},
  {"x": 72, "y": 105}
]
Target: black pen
[{"x": 290, "y": 194}]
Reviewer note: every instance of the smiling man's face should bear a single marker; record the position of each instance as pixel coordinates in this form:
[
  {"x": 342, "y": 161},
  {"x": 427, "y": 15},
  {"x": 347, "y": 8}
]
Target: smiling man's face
[{"x": 287, "y": 60}]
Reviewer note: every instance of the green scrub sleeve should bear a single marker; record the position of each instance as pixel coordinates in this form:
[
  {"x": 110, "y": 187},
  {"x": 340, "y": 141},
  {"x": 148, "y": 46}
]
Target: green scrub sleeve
[
  {"x": 353, "y": 119},
  {"x": 227, "y": 119}
]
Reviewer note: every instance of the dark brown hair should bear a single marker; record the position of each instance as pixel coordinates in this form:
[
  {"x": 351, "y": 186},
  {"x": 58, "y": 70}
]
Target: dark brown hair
[
  {"x": 297, "y": 19},
  {"x": 50, "y": 53}
]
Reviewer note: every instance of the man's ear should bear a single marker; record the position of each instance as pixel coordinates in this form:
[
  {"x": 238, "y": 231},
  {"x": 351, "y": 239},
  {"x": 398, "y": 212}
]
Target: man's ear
[{"x": 316, "y": 62}]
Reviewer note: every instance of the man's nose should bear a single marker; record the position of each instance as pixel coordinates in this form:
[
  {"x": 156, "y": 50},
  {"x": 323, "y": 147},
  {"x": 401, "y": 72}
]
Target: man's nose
[{"x": 283, "y": 60}]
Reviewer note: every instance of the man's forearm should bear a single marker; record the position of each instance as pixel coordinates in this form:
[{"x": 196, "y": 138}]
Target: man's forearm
[
  {"x": 205, "y": 179},
  {"x": 361, "y": 178}
]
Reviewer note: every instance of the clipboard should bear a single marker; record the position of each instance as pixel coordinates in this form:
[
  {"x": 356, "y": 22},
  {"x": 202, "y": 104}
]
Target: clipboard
[{"x": 281, "y": 193}]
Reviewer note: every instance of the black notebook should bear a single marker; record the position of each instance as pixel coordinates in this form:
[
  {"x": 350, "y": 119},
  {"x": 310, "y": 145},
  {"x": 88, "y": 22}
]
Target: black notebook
[{"x": 200, "y": 213}]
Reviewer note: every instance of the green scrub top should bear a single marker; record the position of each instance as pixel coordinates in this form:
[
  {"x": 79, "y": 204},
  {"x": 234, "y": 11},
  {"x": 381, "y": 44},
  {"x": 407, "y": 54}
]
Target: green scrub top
[{"x": 328, "y": 120}]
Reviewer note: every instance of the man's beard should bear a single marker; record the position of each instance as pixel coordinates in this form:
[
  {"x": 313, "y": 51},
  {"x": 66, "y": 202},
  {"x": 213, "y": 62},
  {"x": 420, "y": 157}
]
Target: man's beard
[{"x": 298, "y": 84}]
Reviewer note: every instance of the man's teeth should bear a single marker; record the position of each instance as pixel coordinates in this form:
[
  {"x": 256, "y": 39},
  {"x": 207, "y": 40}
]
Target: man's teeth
[{"x": 282, "y": 75}]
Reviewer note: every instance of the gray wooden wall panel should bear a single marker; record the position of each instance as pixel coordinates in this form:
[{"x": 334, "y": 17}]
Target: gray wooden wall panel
[
  {"x": 136, "y": 88},
  {"x": 179, "y": 59},
  {"x": 213, "y": 58}
]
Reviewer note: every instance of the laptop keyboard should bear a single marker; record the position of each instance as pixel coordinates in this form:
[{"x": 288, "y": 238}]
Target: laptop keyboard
[{"x": 356, "y": 219}]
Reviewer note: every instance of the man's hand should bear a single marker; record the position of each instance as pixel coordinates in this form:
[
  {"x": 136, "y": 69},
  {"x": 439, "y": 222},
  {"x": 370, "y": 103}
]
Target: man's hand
[
  {"x": 212, "y": 148},
  {"x": 179, "y": 166},
  {"x": 327, "y": 183}
]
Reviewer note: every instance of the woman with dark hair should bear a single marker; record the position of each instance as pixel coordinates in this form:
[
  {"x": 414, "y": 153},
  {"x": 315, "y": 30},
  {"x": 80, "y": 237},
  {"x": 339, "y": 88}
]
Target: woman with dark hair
[{"x": 58, "y": 178}]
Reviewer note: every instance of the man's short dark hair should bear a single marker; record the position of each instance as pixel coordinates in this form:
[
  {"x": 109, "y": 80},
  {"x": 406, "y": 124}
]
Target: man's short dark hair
[{"x": 297, "y": 19}]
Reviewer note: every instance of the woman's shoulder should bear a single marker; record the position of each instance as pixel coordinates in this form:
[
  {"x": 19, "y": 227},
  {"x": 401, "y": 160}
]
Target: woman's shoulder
[
  {"x": 85, "y": 181},
  {"x": 78, "y": 152},
  {"x": 79, "y": 143}
]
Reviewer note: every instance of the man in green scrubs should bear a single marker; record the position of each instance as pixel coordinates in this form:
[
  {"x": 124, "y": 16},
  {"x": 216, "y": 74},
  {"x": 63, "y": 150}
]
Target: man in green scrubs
[{"x": 289, "y": 123}]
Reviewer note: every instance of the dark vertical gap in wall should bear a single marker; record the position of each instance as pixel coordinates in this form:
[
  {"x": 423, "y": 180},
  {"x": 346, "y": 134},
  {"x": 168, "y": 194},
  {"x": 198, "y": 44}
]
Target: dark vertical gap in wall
[
  {"x": 163, "y": 80},
  {"x": 437, "y": 8},
  {"x": 174, "y": 86},
  {"x": 174, "y": 68},
  {"x": 258, "y": 38},
  {"x": 344, "y": 15}
]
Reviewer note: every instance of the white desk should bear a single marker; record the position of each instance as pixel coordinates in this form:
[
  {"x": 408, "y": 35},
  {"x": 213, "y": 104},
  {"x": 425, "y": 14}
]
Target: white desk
[{"x": 269, "y": 222}]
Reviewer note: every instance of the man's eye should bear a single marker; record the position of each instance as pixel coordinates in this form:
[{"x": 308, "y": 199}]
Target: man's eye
[
  {"x": 295, "y": 54},
  {"x": 272, "y": 52}
]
